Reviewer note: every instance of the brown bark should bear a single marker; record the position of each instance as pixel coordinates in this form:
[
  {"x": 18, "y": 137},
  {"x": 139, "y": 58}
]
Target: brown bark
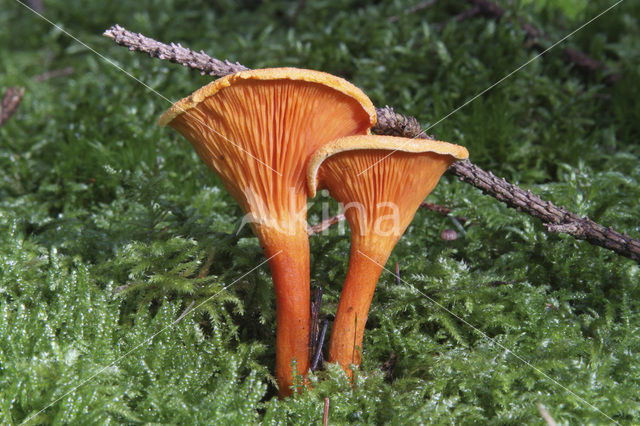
[{"x": 555, "y": 219}]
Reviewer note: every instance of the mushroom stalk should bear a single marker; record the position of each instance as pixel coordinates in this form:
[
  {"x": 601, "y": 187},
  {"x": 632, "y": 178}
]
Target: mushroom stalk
[
  {"x": 289, "y": 263},
  {"x": 365, "y": 267}
]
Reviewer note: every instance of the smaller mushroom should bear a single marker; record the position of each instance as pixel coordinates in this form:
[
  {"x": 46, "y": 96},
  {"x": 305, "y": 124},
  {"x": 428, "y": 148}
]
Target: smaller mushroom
[{"x": 380, "y": 182}]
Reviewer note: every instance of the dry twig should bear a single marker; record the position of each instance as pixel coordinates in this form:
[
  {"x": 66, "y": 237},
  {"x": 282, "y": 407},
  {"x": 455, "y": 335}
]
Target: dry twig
[
  {"x": 329, "y": 222},
  {"x": 317, "y": 356},
  {"x": 173, "y": 52},
  {"x": 122, "y": 288},
  {"x": 47, "y": 75},
  {"x": 325, "y": 224},
  {"x": 545, "y": 415},
  {"x": 316, "y": 302},
  {"x": 185, "y": 312},
  {"x": 10, "y": 103},
  {"x": 414, "y": 9},
  {"x": 444, "y": 211},
  {"x": 204, "y": 270},
  {"x": 325, "y": 414},
  {"x": 318, "y": 333},
  {"x": 555, "y": 219}
]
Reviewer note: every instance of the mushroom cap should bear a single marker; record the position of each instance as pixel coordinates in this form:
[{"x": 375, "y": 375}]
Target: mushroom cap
[
  {"x": 257, "y": 130},
  {"x": 389, "y": 144},
  {"x": 380, "y": 181},
  {"x": 265, "y": 74}
]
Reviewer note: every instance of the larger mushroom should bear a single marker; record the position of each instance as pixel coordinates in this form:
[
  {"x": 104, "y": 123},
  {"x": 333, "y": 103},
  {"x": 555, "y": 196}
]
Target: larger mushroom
[
  {"x": 380, "y": 181},
  {"x": 256, "y": 130}
]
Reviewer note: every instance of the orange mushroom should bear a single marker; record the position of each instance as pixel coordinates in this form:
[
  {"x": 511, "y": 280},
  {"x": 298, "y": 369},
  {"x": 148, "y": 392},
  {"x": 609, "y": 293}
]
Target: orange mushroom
[
  {"x": 380, "y": 182},
  {"x": 256, "y": 130}
]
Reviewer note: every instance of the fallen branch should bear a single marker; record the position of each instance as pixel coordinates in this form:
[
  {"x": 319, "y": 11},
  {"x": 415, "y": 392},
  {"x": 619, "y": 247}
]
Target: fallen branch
[
  {"x": 173, "y": 53},
  {"x": 555, "y": 219},
  {"x": 10, "y": 103}
]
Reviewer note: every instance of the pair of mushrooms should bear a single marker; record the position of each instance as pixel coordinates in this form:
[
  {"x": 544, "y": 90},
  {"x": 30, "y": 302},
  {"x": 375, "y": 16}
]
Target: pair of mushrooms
[{"x": 275, "y": 136}]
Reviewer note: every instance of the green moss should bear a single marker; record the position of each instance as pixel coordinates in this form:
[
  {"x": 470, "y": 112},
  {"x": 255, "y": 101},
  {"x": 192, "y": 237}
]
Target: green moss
[{"x": 111, "y": 227}]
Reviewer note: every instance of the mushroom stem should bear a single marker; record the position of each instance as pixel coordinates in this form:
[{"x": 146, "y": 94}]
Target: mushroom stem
[
  {"x": 365, "y": 267},
  {"x": 290, "y": 271}
]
